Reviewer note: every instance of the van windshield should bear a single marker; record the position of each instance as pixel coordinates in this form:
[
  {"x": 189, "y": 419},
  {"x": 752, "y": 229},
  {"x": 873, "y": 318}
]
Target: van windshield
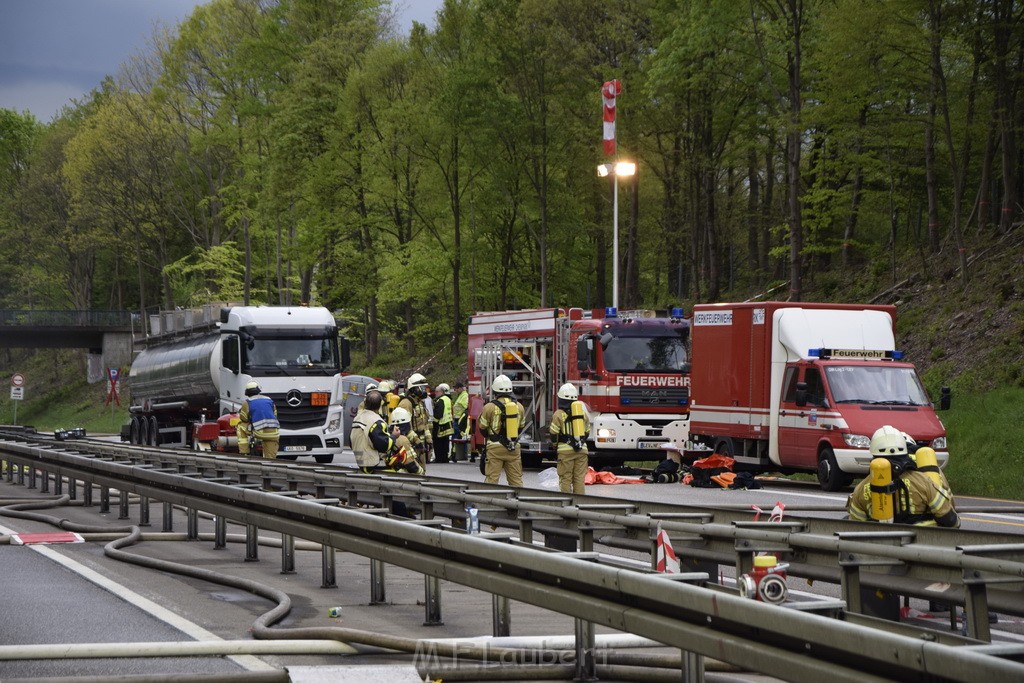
[{"x": 876, "y": 384}]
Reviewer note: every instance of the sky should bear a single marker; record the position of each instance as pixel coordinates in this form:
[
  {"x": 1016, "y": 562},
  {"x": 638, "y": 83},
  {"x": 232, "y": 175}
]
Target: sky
[{"x": 53, "y": 51}]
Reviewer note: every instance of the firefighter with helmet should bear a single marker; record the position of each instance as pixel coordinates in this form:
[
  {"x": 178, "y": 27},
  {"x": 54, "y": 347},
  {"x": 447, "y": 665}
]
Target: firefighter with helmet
[
  {"x": 443, "y": 423},
  {"x": 370, "y": 386},
  {"x": 390, "y": 397},
  {"x": 371, "y": 441},
  {"x": 415, "y": 393},
  {"x": 570, "y": 429},
  {"x": 896, "y": 491},
  {"x": 405, "y": 454},
  {"x": 257, "y": 418},
  {"x": 500, "y": 422}
]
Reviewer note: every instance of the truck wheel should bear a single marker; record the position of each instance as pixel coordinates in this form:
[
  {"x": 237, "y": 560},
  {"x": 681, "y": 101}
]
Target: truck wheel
[
  {"x": 143, "y": 431},
  {"x": 830, "y": 477},
  {"x": 154, "y": 432},
  {"x": 133, "y": 432},
  {"x": 725, "y": 447}
]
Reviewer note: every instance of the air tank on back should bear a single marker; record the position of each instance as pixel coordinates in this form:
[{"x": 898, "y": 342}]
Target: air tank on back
[{"x": 181, "y": 371}]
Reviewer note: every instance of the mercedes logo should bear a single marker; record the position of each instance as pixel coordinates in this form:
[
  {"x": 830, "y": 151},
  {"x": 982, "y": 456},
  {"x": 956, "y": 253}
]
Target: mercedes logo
[{"x": 294, "y": 398}]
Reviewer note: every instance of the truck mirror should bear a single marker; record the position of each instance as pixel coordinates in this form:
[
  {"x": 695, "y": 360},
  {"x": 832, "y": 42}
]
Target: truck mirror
[
  {"x": 606, "y": 339},
  {"x": 346, "y": 353},
  {"x": 801, "y": 394},
  {"x": 583, "y": 347},
  {"x": 945, "y": 398}
]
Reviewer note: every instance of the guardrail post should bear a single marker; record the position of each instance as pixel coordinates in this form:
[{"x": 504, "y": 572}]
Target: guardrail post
[
  {"x": 850, "y": 582},
  {"x": 21, "y": 472},
  {"x": 252, "y": 543},
  {"x": 220, "y": 532},
  {"x": 287, "y": 554},
  {"x": 87, "y": 494},
  {"x": 377, "y": 595},
  {"x": 168, "y": 524},
  {"x": 501, "y": 616},
  {"x": 328, "y": 577},
  {"x": 432, "y": 601},
  {"x": 976, "y": 610},
  {"x": 104, "y": 500},
  {"x": 58, "y": 485},
  {"x": 192, "y": 524},
  {"x": 144, "y": 511},
  {"x": 44, "y": 487},
  {"x": 693, "y": 667},
  {"x": 585, "y": 669},
  {"x": 122, "y": 499},
  {"x": 31, "y": 477},
  {"x": 72, "y": 489}
]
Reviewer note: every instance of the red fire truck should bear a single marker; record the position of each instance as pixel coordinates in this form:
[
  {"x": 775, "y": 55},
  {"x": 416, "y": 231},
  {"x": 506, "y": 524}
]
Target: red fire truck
[
  {"x": 790, "y": 387},
  {"x": 631, "y": 369}
]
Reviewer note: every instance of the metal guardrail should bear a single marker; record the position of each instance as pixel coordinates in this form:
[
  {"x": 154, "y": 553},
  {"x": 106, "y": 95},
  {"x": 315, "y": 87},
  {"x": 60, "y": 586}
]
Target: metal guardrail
[
  {"x": 773, "y": 640},
  {"x": 34, "y": 318}
]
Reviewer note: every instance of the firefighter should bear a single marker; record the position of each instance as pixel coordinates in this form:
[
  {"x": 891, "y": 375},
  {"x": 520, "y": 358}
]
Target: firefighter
[
  {"x": 460, "y": 421},
  {"x": 896, "y": 491},
  {"x": 401, "y": 425},
  {"x": 570, "y": 429},
  {"x": 415, "y": 392},
  {"x": 499, "y": 422},
  {"x": 257, "y": 418},
  {"x": 370, "y": 386},
  {"x": 371, "y": 441},
  {"x": 388, "y": 390},
  {"x": 443, "y": 423}
]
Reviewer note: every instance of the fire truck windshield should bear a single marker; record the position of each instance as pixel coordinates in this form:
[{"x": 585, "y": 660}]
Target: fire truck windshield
[
  {"x": 646, "y": 353},
  {"x": 289, "y": 354},
  {"x": 876, "y": 384}
]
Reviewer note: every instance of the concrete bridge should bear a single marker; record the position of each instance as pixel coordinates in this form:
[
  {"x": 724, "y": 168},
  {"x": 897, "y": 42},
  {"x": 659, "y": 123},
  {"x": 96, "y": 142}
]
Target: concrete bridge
[{"x": 106, "y": 335}]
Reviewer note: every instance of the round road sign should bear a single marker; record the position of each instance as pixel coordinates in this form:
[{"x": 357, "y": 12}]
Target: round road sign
[{"x": 17, "y": 380}]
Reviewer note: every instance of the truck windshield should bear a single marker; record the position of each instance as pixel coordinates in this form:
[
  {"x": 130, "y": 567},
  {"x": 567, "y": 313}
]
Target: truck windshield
[
  {"x": 661, "y": 353},
  {"x": 291, "y": 354},
  {"x": 876, "y": 384}
]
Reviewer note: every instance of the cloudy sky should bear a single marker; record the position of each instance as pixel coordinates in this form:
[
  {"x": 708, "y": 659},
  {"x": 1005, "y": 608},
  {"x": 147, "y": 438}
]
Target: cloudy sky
[{"x": 52, "y": 51}]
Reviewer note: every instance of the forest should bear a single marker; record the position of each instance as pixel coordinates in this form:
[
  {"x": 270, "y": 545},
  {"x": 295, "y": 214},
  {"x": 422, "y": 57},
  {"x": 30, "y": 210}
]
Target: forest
[{"x": 293, "y": 151}]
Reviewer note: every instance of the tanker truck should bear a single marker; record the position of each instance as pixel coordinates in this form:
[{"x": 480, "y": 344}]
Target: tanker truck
[{"x": 188, "y": 385}]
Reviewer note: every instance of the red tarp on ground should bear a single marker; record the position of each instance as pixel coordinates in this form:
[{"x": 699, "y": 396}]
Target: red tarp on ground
[{"x": 594, "y": 477}]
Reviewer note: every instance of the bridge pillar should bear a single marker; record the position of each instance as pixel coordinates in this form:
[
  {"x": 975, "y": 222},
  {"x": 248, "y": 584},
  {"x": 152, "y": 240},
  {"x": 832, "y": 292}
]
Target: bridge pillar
[{"x": 115, "y": 353}]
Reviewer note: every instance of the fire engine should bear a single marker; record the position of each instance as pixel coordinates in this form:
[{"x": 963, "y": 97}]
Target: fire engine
[
  {"x": 631, "y": 369},
  {"x": 792, "y": 386}
]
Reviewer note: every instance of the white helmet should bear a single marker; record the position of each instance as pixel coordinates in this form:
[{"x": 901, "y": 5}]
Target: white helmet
[
  {"x": 888, "y": 441},
  {"x": 386, "y": 385},
  {"x": 443, "y": 387},
  {"x": 371, "y": 386},
  {"x": 501, "y": 385},
  {"x": 400, "y": 416},
  {"x": 568, "y": 392},
  {"x": 417, "y": 380}
]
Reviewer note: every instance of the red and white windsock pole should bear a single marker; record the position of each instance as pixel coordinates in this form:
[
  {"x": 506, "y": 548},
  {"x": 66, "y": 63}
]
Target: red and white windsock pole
[{"x": 609, "y": 91}]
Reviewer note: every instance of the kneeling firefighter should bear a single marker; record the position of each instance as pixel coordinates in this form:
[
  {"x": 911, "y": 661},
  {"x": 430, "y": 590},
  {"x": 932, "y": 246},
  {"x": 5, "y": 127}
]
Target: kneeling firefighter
[
  {"x": 257, "y": 418},
  {"x": 570, "y": 429},
  {"x": 897, "y": 491},
  {"x": 403, "y": 456}
]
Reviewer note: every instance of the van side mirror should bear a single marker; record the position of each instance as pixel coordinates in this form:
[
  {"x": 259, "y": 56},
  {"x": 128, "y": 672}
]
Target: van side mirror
[
  {"x": 945, "y": 398},
  {"x": 801, "y": 394}
]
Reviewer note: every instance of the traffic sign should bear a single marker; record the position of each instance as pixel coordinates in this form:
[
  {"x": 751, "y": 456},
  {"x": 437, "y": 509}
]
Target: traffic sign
[
  {"x": 17, "y": 380},
  {"x": 17, "y": 393}
]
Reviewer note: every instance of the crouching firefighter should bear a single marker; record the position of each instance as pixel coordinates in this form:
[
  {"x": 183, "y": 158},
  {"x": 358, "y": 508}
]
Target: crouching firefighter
[
  {"x": 403, "y": 456},
  {"x": 896, "y": 491},
  {"x": 257, "y": 419},
  {"x": 570, "y": 429},
  {"x": 499, "y": 423}
]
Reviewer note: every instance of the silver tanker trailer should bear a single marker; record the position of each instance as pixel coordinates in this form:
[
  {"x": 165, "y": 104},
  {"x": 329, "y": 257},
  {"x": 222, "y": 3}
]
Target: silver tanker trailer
[{"x": 187, "y": 387}]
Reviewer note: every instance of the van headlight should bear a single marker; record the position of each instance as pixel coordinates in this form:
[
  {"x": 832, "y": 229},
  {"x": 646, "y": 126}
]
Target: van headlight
[
  {"x": 939, "y": 444},
  {"x": 857, "y": 440}
]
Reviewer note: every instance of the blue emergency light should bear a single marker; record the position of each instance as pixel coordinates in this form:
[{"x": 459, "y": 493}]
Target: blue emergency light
[
  {"x": 611, "y": 312},
  {"x": 677, "y": 313}
]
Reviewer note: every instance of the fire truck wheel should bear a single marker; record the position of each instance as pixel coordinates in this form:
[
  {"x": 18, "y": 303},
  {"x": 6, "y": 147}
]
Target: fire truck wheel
[
  {"x": 830, "y": 477},
  {"x": 725, "y": 447},
  {"x": 483, "y": 462}
]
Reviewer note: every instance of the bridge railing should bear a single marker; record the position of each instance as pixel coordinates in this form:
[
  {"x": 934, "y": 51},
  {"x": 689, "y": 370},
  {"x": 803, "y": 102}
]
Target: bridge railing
[{"x": 34, "y": 318}]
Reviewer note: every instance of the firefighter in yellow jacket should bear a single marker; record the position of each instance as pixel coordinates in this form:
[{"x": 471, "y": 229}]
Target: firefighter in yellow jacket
[
  {"x": 500, "y": 421},
  {"x": 443, "y": 423},
  {"x": 570, "y": 429},
  {"x": 401, "y": 424},
  {"x": 415, "y": 392},
  {"x": 896, "y": 491}
]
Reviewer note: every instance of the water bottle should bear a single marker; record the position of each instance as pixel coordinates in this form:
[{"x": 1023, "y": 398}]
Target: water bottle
[{"x": 472, "y": 520}]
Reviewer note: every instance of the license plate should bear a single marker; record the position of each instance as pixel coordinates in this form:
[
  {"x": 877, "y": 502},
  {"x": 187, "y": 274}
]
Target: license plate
[
  {"x": 292, "y": 449},
  {"x": 647, "y": 445}
]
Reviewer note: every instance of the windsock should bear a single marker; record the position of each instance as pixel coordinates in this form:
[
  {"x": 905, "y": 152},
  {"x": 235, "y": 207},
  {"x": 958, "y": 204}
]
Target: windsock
[{"x": 609, "y": 91}]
